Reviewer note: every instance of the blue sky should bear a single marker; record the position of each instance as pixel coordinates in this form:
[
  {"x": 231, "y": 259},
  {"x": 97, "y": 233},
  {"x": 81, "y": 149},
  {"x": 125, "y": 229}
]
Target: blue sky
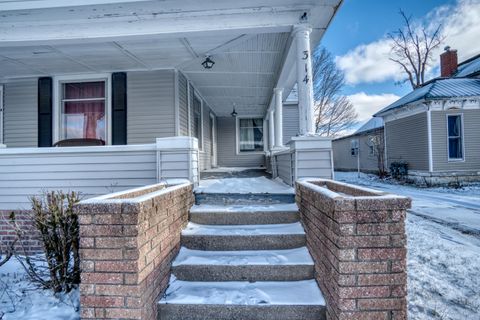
[{"x": 357, "y": 38}]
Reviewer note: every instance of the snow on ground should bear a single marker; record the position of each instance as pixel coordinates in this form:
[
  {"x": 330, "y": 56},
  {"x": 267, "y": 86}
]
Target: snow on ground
[
  {"x": 304, "y": 292},
  {"x": 443, "y": 248},
  {"x": 458, "y": 208},
  {"x": 243, "y": 185},
  {"x": 21, "y": 300}
]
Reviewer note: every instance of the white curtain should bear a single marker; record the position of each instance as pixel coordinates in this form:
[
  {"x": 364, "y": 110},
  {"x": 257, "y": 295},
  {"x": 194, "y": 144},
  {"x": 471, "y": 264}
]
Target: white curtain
[{"x": 247, "y": 135}]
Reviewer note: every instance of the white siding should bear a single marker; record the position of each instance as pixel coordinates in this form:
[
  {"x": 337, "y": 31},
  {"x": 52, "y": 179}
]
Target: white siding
[
  {"x": 96, "y": 171},
  {"x": 290, "y": 122},
  {"x": 150, "y": 106},
  {"x": 183, "y": 103},
  {"x": 20, "y": 114}
]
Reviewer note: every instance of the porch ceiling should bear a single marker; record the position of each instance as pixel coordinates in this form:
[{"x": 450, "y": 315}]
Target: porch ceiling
[{"x": 248, "y": 42}]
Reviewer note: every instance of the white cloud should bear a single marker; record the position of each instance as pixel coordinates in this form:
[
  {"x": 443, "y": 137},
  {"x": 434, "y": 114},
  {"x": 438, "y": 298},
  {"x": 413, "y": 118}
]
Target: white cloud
[
  {"x": 370, "y": 62},
  {"x": 366, "y": 105}
]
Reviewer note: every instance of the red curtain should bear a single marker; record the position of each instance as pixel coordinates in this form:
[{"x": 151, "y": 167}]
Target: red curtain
[{"x": 93, "y": 111}]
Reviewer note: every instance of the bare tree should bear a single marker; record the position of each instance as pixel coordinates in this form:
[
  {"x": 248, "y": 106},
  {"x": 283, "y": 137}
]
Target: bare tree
[
  {"x": 377, "y": 142},
  {"x": 333, "y": 111},
  {"x": 412, "y": 49}
]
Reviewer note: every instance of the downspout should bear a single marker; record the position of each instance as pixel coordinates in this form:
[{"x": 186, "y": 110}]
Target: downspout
[{"x": 429, "y": 130}]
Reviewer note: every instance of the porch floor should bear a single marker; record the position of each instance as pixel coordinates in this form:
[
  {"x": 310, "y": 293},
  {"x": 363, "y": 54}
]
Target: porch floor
[
  {"x": 233, "y": 172},
  {"x": 237, "y": 185}
]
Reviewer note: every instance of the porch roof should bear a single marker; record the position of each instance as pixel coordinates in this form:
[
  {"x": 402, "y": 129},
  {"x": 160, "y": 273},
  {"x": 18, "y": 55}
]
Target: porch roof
[{"x": 248, "y": 40}]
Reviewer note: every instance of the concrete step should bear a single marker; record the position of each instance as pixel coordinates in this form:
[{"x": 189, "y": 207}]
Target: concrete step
[
  {"x": 279, "y": 300},
  {"x": 243, "y": 237},
  {"x": 243, "y": 198},
  {"x": 244, "y": 214},
  {"x": 257, "y": 265}
]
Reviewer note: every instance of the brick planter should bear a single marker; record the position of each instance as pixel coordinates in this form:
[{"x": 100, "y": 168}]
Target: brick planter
[
  {"x": 127, "y": 243},
  {"x": 357, "y": 239}
]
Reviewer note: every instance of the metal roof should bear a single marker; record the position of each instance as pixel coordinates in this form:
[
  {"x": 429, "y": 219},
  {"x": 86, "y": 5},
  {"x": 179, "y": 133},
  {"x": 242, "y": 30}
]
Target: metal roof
[
  {"x": 438, "y": 89},
  {"x": 468, "y": 67},
  {"x": 373, "y": 123}
]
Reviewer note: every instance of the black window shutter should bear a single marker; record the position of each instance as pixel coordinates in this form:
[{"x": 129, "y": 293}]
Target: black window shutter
[
  {"x": 119, "y": 108},
  {"x": 45, "y": 112}
]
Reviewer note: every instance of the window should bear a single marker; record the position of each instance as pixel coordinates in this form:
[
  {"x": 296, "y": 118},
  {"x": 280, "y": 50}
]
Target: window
[
  {"x": 371, "y": 149},
  {"x": 455, "y": 137},
  {"x": 250, "y": 135},
  {"x": 197, "y": 120},
  {"x": 354, "y": 147},
  {"x": 83, "y": 110}
]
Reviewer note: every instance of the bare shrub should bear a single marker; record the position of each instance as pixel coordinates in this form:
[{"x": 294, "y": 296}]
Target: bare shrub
[
  {"x": 7, "y": 247},
  {"x": 57, "y": 223}
]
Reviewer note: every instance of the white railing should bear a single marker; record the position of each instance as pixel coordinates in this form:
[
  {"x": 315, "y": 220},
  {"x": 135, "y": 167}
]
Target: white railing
[
  {"x": 93, "y": 171},
  {"x": 305, "y": 157}
]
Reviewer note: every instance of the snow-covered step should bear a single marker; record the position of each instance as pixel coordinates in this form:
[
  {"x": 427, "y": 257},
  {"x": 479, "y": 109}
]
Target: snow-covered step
[
  {"x": 244, "y": 214},
  {"x": 251, "y": 265},
  {"x": 243, "y": 237},
  {"x": 214, "y": 198},
  {"x": 279, "y": 300}
]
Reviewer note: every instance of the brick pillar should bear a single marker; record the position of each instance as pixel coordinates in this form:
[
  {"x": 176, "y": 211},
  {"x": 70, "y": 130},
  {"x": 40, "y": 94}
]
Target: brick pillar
[
  {"x": 127, "y": 243},
  {"x": 357, "y": 239}
]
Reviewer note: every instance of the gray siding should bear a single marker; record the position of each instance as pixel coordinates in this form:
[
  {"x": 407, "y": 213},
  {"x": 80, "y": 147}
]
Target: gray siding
[
  {"x": 20, "y": 113},
  {"x": 285, "y": 163},
  {"x": 205, "y": 154},
  {"x": 183, "y": 103},
  {"x": 407, "y": 140},
  {"x": 471, "y": 130},
  {"x": 151, "y": 106},
  {"x": 91, "y": 173},
  {"x": 314, "y": 163},
  {"x": 227, "y": 154},
  {"x": 343, "y": 160},
  {"x": 290, "y": 122}
]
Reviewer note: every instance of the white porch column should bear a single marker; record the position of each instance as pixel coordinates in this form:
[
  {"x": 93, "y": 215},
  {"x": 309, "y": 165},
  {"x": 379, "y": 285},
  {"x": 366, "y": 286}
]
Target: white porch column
[
  {"x": 304, "y": 79},
  {"x": 271, "y": 129},
  {"x": 278, "y": 117}
]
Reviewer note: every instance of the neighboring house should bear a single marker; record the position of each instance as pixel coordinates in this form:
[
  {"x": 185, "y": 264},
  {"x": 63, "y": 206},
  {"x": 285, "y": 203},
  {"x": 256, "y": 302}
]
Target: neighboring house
[
  {"x": 436, "y": 128},
  {"x": 359, "y": 151},
  {"x": 171, "y": 88}
]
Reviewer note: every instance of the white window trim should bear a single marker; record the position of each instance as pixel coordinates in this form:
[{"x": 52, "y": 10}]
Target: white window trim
[
  {"x": 357, "y": 147},
  {"x": 56, "y": 100},
  {"x": 462, "y": 136},
  {"x": 197, "y": 95},
  {"x": 1, "y": 114},
  {"x": 237, "y": 134}
]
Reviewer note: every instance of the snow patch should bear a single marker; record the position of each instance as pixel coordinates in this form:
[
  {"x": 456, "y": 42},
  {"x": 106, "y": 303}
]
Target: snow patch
[
  {"x": 21, "y": 300},
  {"x": 282, "y": 207},
  {"x": 244, "y": 293},
  {"x": 243, "y": 185},
  {"x": 298, "y": 256},
  {"x": 243, "y": 230}
]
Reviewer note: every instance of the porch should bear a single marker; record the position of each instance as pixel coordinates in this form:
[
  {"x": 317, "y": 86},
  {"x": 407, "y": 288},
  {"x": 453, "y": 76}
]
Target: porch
[{"x": 136, "y": 79}]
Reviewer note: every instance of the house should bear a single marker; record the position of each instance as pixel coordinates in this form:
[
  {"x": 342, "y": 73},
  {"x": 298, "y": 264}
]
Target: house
[
  {"x": 435, "y": 128},
  {"x": 360, "y": 150},
  {"x": 171, "y": 88}
]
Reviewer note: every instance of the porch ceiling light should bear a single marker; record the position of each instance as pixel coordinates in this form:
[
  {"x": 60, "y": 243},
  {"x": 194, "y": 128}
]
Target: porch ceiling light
[
  {"x": 234, "y": 113},
  {"x": 208, "y": 63}
]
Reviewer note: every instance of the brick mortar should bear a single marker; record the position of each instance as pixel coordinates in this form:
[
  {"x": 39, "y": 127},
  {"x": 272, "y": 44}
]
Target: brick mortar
[
  {"x": 358, "y": 244},
  {"x": 30, "y": 243},
  {"x": 126, "y": 252}
]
